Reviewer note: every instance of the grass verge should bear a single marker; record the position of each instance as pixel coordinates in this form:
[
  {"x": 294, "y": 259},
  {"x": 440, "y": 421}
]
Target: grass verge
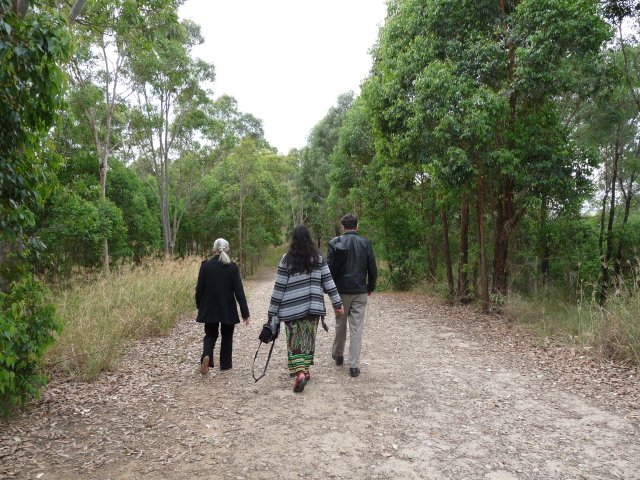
[
  {"x": 100, "y": 316},
  {"x": 612, "y": 331}
]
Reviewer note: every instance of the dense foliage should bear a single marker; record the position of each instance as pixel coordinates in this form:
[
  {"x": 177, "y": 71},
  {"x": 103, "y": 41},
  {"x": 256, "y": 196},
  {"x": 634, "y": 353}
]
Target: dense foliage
[
  {"x": 31, "y": 92},
  {"x": 493, "y": 149},
  {"x": 113, "y": 148},
  {"x": 487, "y": 134},
  {"x": 152, "y": 160}
]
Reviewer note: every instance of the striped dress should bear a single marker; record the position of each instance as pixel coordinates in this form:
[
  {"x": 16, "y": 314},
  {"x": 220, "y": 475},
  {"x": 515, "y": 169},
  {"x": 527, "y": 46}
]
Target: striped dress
[{"x": 298, "y": 300}]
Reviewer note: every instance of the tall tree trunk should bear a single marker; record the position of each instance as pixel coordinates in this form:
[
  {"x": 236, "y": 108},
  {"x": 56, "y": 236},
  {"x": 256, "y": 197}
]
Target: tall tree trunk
[
  {"x": 167, "y": 209},
  {"x": 103, "y": 157},
  {"x": 166, "y": 225},
  {"x": 463, "y": 258},
  {"x": 627, "y": 193},
  {"x": 484, "y": 277},
  {"x": 447, "y": 252},
  {"x": 431, "y": 246},
  {"x": 544, "y": 241},
  {"x": 625, "y": 219},
  {"x": 105, "y": 256},
  {"x": 505, "y": 218},
  {"x": 164, "y": 208},
  {"x": 603, "y": 215},
  {"x": 178, "y": 214},
  {"x": 103, "y": 196},
  {"x": 102, "y": 145},
  {"x": 163, "y": 190},
  {"x": 160, "y": 159},
  {"x": 604, "y": 285},
  {"x": 428, "y": 217}
]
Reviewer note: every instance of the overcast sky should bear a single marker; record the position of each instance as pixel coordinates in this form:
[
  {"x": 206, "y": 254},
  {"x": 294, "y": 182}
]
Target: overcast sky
[{"x": 287, "y": 61}]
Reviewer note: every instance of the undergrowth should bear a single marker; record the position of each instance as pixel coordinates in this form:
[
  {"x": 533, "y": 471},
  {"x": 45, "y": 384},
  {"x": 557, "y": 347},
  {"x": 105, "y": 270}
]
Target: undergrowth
[
  {"x": 612, "y": 330},
  {"x": 100, "y": 316}
]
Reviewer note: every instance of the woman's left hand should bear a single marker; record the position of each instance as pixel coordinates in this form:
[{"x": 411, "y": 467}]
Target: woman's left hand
[{"x": 246, "y": 320}]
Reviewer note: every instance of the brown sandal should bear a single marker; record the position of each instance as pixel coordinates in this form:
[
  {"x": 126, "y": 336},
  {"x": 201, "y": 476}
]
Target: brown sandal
[
  {"x": 301, "y": 381},
  {"x": 204, "y": 366}
]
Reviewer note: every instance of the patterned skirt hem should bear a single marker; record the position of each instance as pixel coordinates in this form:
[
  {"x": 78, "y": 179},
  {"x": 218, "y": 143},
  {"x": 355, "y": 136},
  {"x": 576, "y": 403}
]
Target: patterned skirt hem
[{"x": 299, "y": 363}]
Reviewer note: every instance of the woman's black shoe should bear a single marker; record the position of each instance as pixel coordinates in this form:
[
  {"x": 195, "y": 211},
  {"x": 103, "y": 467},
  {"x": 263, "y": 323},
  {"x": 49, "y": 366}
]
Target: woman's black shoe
[
  {"x": 354, "y": 371},
  {"x": 338, "y": 358}
]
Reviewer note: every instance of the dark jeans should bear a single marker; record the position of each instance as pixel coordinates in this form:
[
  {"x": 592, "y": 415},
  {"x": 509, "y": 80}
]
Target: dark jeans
[{"x": 226, "y": 345}]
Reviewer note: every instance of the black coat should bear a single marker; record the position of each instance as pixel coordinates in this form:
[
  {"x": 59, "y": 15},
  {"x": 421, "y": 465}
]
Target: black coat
[
  {"x": 352, "y": 263},
  {"x": 219, "y": 287}
]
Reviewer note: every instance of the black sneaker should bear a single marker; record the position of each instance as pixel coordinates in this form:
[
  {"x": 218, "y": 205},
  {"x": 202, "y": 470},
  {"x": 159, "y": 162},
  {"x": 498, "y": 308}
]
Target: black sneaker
[
  {"x": 338, "y": 358},
  {"x": 354, "y": 372}
]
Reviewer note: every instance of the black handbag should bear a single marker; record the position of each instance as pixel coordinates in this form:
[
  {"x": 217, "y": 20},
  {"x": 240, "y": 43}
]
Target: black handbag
[{"x": 270, "y": 330}]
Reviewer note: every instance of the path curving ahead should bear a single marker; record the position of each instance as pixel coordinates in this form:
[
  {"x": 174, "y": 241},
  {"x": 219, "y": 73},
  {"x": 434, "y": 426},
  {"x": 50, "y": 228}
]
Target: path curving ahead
[{"x": 443, "y": 394}]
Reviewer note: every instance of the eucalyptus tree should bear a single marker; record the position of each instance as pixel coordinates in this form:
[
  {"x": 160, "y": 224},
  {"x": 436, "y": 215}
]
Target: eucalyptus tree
[
  {"x": 219, "y": 128},
  {"x": 363, "y": 183},
  {"x": 315, "y": 164},
  {"x": 98, "y": 69},
  {"x": 609, "y": 125},
  {"x": 226, "y": 126},
  {"x": 351, "y": 156},
  {"x": 553, "y": 43},
  {"x": 244, "y": 196},
  {"x": 170, "y": 85},
  {"x": 499, "y": 65},
  {"x": 623, "y": 111},
  {"x": 296, "y": 200}
]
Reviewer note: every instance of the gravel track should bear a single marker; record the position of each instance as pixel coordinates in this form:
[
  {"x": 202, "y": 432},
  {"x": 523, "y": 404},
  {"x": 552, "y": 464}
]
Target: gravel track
[{"x": 444, "y": 393}]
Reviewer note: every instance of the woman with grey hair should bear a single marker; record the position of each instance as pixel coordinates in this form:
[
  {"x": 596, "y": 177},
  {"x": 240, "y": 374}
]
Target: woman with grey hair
[{"x": 218, "y": 290}]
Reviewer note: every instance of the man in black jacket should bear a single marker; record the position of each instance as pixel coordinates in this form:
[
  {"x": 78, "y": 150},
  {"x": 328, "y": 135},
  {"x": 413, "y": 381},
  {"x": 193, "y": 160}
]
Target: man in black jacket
[{"x": 353, "y": 266}]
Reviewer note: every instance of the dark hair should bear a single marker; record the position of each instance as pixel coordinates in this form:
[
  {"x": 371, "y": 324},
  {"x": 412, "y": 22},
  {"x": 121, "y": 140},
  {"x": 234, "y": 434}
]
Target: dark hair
[
  {"x": 302, "y": 254},
  {"x": 349, "y": 221}
]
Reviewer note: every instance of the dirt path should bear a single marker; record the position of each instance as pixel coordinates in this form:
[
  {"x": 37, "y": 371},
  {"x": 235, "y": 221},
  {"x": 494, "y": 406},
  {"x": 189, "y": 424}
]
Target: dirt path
[{"x": 443, "y": 394}]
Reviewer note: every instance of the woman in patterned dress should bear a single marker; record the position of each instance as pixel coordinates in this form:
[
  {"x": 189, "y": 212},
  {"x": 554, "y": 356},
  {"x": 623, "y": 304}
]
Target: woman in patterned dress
[{"x": 298, "y": 300}]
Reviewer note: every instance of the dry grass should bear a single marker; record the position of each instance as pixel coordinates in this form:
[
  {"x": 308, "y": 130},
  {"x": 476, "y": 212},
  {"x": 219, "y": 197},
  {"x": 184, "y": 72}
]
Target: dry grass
[
  {"x": 619, "y": 328},
  {"x": 100, "y": 316},
  {"x": 613, "y": 331}
]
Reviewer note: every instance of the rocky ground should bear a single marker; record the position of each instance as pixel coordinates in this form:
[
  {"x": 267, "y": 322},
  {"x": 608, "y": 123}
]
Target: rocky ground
[{"x": 444, "y": 393}]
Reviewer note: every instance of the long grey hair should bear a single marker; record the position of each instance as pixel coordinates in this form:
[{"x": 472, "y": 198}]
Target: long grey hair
[{"x": 221, "y": 247}]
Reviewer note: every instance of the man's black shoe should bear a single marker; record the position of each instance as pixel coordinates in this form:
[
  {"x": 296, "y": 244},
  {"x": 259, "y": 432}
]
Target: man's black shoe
[
  {"x": 338, "y": 358},
  {"x": 354, "y": 371}
]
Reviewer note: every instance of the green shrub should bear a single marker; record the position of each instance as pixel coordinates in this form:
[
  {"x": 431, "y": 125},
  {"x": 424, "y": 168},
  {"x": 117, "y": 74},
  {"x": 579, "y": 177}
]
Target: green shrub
[
  {"x": 27, "y": 326},
  {"x": 76, "y": 229}
]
